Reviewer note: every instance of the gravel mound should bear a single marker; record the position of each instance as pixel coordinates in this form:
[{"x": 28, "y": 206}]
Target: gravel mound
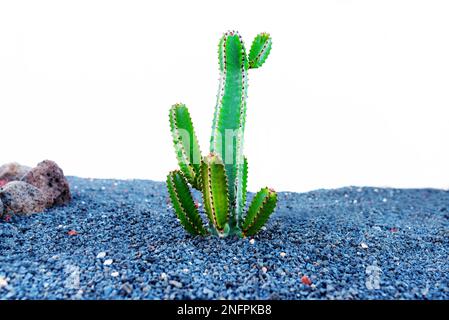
[{"x": 120, "y": 240}]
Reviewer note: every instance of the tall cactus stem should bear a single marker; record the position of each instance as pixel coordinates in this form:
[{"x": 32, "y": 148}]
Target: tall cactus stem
[{"x": 230, "y": 113}]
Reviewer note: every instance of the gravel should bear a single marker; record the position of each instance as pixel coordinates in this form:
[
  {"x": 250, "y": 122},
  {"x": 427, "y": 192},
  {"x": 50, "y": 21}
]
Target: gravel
[{"x": 120, "y": 240}]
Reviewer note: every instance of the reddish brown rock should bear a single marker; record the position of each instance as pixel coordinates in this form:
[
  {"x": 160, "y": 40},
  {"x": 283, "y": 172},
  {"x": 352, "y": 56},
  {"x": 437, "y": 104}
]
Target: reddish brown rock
[
  {"x": 48, "y": 177},
  {"x": 12, "y": 172},
  {"x": 22, "y": 198}
]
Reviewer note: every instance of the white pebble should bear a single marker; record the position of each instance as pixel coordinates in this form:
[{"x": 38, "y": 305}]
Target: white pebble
[
  {"x": 384, "y": 200},
  {"x": 3, "y": 282},
  {"x": 283, "y": 254},
  {"x": 264, "y": 269},
  {"x": 114, "y": 274},
  {"x": 163, "y": 276},
  {"x": 101, "y": 255},
  {"x": 175, "y": 283},
  {"x": 108, "y": 262},
  {"x": 252, "y": 241},
  {"x": 364, "y": 245}
]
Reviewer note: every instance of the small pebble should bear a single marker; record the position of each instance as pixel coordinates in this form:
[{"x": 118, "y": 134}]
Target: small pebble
[
  {"x": 209, "y": 292},
  {"x": 175, "y": 283},
  {"x": 128, "y": 288},
  {"x": 101, "y": 255},
  {"x": 114, "y": 274},
  {"x": 252, "y": 241},
  {"x": 72, "y": 233},
  {"x": 108, "y": 262},
  {"x": 3, "y": 282},
  {"x": 283, "y": 254},
  {"x": 306, "y": 280},
  {"x": 264, "y": 269},
  {"x": 364, "y": 245}
]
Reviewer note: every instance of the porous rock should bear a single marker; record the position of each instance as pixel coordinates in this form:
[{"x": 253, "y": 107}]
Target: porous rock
[
  {"x": 48, "y": 177},
  {"x": 12, "y": 172},
  {"x": 21, "y": 198}
]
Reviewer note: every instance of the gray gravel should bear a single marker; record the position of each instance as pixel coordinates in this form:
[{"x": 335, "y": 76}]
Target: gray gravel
[{"x": 120, "y": 240}]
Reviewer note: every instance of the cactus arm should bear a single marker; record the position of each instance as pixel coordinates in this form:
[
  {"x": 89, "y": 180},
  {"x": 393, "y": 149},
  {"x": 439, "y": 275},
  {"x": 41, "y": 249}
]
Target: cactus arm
[
  {"x": 186, "y": 144},
  {"x": 260, "y": 49},
  {"x": 215, "y": 191},
  {"x": 183, "y": 204},
  {"x": 230, "y": 113},
  {"x": 259, "y": 211}
]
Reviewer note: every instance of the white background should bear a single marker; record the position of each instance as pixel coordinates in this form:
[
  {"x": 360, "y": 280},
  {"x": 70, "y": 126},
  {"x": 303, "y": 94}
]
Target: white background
[{"x": 354, "y": 92}]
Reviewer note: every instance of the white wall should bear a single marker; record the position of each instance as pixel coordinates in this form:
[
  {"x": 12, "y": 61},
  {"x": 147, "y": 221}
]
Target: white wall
[{"x": 354, "y": 92}]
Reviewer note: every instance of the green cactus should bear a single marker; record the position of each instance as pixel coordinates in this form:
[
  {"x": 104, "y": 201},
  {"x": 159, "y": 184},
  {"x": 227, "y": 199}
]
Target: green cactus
[{"x": 222, "y": 175}]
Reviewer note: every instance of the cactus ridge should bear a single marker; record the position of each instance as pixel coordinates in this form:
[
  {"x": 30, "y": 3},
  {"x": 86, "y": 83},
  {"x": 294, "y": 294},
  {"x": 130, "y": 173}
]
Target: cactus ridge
[
  {"x": 184, "y": 205},
  {"x": 259, "y": 211},
  {"x": 188, "y": 151},
  {"x": 222, "y": 175}
]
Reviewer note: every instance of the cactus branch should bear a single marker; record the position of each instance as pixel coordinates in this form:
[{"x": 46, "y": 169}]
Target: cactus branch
[
  {"x": 259, "y": 211},
  {"x": 260, "y": 49},
  {"x": 186, "y": 144},
  {"x": 215, "y": 191},
  {"x": 183, "y": 203}
]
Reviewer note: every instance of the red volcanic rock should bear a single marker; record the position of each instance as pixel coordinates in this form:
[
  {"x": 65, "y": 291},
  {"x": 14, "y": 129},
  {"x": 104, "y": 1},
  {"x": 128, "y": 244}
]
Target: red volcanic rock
[
  {"x": 21, "y": 198},
  {"x": 12, "y": 172},
  {"x": 48, "y": 177},
  {"x": 306, "y": 280}
]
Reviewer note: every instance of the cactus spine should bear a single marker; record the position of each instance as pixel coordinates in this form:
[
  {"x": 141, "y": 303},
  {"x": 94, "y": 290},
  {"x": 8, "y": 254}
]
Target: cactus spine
[{"x": 221, "y": 176}]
